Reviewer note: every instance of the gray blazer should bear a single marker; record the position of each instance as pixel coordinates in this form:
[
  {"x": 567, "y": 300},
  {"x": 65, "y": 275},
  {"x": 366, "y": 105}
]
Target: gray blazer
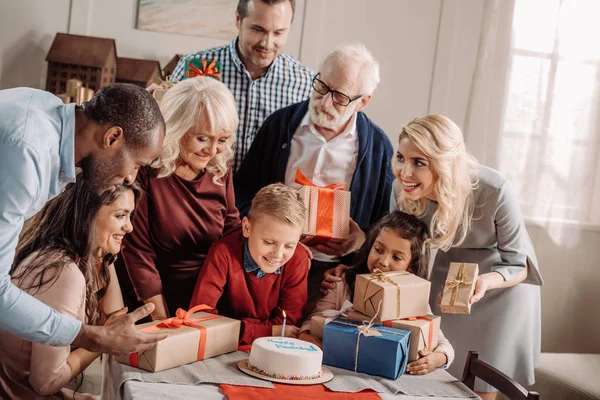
[{"x": 498, "y": 240}]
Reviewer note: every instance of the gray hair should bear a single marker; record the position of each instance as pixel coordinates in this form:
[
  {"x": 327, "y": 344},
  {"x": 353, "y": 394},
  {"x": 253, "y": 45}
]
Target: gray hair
[{"x": 357, "y": 53}]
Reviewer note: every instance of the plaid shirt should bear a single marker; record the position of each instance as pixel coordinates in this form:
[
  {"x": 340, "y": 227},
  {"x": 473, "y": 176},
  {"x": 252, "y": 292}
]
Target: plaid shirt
[{"x": 286, "y": 82}]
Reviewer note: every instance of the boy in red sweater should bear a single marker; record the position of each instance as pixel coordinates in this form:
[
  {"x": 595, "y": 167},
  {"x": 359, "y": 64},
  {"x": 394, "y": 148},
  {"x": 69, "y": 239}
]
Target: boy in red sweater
[{"x": 257, "y": 273}]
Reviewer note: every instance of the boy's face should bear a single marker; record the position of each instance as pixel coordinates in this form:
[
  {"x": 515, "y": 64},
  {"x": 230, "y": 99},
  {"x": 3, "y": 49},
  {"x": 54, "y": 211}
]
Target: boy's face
[{"x": 271, "y": 242}]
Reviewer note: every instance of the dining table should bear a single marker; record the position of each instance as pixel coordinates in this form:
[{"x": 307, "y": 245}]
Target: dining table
[{"x": 123, "y": 382}]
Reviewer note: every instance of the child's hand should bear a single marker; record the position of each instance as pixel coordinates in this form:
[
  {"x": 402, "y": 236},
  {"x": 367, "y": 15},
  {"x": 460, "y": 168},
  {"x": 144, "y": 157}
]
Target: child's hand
[
  {"x": 290, "y": 331},
  {"x": 428, "y": 362},
  {"x": 307, "y": 337}
]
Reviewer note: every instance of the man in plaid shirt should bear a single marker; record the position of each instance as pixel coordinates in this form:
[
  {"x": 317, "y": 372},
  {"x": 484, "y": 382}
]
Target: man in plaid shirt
[{"x": 261, "y": 78}]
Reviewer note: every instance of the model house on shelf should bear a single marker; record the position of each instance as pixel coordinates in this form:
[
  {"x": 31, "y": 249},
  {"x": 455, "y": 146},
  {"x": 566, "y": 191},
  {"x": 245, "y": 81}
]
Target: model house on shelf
[
  {"x": 170, "y": 67},
  {"x": 139, "y": 72},
  {"x": 92, "y": 60}
]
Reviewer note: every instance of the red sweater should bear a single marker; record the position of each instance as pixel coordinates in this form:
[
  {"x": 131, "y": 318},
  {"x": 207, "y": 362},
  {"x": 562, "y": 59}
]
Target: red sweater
[
  {"x": 223, "y": 284},
  {"x": 174, "y": 226}
]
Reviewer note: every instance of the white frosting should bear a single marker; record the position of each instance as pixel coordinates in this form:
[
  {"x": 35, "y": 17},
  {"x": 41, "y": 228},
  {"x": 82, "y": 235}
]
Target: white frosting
[{"x": 286, "y": 356}]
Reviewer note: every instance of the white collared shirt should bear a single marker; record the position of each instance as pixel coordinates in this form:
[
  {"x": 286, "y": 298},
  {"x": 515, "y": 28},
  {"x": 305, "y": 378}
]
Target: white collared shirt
[{"x": 322, "y": 162}]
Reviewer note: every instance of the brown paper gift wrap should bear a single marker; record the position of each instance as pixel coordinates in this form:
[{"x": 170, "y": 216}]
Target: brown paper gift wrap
[
  {"x": 317, "y": 322},
  {"x": 401, "y": 294},
  {"x": 424, "y": 331},
  {"x": 327, "y": 211},
  {"x": 459, "y": 287},
  {"x": 192, "y": 336}
]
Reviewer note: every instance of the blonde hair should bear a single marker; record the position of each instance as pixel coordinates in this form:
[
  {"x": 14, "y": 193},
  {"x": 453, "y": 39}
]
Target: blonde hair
[
  {"x": 182, "y": 107},
  {"x": 457, "y": 176},
  {"x": 357, "y": 53},
  {"x": 278, "y": 201}
]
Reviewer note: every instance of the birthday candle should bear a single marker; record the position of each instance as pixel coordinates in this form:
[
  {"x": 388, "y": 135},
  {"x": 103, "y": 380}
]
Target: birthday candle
[{"x": 283, "y": 326}]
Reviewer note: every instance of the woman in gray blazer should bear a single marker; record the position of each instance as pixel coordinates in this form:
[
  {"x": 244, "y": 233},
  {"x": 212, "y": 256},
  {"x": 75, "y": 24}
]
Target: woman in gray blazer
[{"x": 473, "y": 216}]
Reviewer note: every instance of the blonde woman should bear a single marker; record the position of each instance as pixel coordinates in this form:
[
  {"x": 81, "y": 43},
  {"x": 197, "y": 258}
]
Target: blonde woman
[
  {"x": 473, "y": 216},
  {"x": 190, "y": 201}
]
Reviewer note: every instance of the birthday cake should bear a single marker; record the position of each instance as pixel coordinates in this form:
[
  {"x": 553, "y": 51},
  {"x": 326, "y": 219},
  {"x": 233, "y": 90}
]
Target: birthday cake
[{"x": 285, "y": 358}]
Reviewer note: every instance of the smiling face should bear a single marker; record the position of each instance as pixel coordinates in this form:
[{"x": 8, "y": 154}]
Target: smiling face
[
  {"x": 389, "y": 252},
  {"x": 114, "y": 222},
  {"x": 345, "y": 78},
  {"x": 414, "y": 172},
  {"x": 262, "y": 34},
  {"x": 271, "y": 242},
  {"x": 200, "y": 145}
]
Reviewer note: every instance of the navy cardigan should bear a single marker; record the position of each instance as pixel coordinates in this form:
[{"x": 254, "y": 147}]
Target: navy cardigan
[{"x": 266, "y": 161}]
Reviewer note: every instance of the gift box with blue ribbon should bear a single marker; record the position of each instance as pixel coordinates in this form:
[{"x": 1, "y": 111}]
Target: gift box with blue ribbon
[{"x": 360, "y": 347}]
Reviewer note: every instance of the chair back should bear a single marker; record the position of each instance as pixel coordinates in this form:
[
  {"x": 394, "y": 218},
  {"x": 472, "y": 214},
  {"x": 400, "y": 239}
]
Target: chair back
[{"x": 474, "y": 367}]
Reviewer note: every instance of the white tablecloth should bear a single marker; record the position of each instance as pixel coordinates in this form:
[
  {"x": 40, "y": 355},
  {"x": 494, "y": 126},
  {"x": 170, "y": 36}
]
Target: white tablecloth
[{"x": 134, "y": 390}]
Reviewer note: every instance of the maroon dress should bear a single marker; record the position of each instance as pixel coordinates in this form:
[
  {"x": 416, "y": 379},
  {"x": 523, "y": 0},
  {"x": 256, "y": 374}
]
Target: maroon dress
[{"x": 175, "y": 223}]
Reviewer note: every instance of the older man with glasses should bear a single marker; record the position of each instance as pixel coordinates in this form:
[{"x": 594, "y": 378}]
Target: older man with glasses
[{"x": 329, "y": 140}]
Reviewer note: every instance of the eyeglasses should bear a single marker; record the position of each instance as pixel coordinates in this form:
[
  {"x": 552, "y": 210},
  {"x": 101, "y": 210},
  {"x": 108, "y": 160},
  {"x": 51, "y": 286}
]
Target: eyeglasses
[{"x": 337, "y": 97}]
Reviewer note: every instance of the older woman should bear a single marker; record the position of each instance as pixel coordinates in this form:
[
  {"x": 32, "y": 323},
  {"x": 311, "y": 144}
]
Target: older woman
[
  {"x": 473, "y": 215},
  {"x": 190, "y": 201}
]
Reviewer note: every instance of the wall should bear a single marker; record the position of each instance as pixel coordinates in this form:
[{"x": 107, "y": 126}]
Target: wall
[{"x": 427, "y": 50}]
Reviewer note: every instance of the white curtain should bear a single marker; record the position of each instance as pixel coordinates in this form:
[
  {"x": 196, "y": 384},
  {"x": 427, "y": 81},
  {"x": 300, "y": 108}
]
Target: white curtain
[{"x": 533, "y": 108}]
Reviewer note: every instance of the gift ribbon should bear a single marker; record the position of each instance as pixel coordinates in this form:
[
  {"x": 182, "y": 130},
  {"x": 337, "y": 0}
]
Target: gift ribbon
[
  {"x": 209, "y": 70},
  {"x": 429, "y": 340},
  {"x": 455, "y": 284},
  {"x": 383, "y": 277},
  {"x": 365, "y": 330},
  {"x": 330, "y": 315},
  {"x": 325, "y": 204},
  {"x": 182, "y": 318}
]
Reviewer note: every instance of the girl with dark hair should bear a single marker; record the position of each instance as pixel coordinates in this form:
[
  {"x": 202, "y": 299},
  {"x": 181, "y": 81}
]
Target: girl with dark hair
[
  {"x": 65, "y": 259},
  {"x": 395, "y": 243}
]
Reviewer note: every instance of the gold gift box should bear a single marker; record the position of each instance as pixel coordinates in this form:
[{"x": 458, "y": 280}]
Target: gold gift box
[
  {"x": 396, "y": 295},
  {"x": 459, "y": 287}
]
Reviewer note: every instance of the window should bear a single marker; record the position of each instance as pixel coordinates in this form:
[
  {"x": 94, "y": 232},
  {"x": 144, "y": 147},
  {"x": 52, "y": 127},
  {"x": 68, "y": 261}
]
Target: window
[{"x": 550, "y": 143}]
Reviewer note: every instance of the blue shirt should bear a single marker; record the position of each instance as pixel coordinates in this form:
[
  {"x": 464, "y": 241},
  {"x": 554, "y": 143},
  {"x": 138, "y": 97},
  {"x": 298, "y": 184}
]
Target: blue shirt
[
  {"x": 251, "y": 267},
  {"x": 37, "y": 159},
  {"x": 286, "y": 82}
]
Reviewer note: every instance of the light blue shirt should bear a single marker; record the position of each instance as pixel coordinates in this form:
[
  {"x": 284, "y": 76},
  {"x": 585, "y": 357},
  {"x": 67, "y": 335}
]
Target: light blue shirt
[{"x": 37, "y": 159}]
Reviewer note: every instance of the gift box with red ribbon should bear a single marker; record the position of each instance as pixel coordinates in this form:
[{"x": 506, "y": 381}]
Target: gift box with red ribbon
[
  {"x": 192, "y": 336},
  {"x": 424, "y": 331},
  {"x": 327, "y": 211}
]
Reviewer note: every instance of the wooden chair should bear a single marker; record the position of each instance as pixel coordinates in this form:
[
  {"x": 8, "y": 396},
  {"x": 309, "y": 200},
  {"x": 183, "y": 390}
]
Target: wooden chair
[{"x": 474, "y": 367}]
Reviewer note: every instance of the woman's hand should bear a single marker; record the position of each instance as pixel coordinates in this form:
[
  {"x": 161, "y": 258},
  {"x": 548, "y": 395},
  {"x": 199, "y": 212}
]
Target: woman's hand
[
  {"x": 428, "y": 362},
  {"x": 307, "y": 337},
  {"x": 290, "y": 331},
  {"x": 332, "y": 276}
]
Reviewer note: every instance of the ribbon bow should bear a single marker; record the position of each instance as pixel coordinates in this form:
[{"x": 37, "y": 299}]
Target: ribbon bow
[
  {"x": 206, "y": 70},
  {"x": 333, "y": 314},
  {"x": 456, "y": 283},
  {"x": 381, "y": 276}
]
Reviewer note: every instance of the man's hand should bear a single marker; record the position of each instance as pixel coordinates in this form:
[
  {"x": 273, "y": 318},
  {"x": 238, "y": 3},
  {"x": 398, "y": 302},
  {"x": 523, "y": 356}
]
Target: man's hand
[
  {"x": 153, "y": 86},
  {"x": 290, "y": 331},
  {"x": 332, "y": 276},
  {"x": 428, "y": 362},
  {"x": 118, "y": 335},
  {"x": 307, "y": 337},
  {"x": 355, "y": 239}
]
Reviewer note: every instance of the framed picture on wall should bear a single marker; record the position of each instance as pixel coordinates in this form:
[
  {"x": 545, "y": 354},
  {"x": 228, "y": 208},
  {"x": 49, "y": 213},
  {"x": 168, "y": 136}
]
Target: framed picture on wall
[{"x": 210, "y": 18}]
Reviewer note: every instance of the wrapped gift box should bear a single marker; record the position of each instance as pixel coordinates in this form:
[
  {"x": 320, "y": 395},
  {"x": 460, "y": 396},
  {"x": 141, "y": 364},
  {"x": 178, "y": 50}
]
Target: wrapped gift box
[
  {"x": 397, "y": 295},
  {"x": 201, "y": 335},
  {"x": 201, "y": 67},
  {"x": 424, "y": 331},
  {"x": 327, "y": 211},
  {"x": 374, "y": 350},
  {"x": 317, "y": 322},
  {"x": 459, "y": 287}
]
